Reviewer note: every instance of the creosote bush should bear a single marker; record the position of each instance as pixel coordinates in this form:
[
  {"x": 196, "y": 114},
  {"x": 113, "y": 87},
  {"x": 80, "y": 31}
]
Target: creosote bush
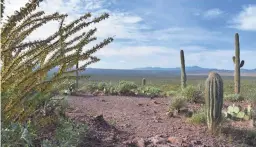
[
  {"x": 177, "y": 103},
  {"x": 192, "y": 94},
  {"x": 198, "y": 118},
  {"x": 123, "y": 88},
  {"x": 233, "y": 97}
]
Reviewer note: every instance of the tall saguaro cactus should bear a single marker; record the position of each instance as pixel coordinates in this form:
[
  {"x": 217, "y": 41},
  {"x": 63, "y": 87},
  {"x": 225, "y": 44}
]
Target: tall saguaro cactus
[
  {"x": 238, "y": 64},
  {"x": 214, "y": 100},
  {"x": 143, "y": 83},
  {"x": 183, "y": 71}
]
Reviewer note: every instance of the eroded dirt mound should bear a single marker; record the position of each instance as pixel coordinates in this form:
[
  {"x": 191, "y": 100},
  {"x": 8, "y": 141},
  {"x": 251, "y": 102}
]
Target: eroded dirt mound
[{"x": 134, "y": 121}]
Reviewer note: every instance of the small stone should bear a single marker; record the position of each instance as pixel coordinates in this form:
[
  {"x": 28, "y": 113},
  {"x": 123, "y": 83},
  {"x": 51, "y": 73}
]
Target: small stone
[
  {"x": 99, "y": 118},
  {"x": 157, "y": 140},
  {"x": 196, "y": 142},
  {"x": 130, "y": 143},
  {"x": 156, "y": 119},
  {"x": 189, "y": 114},
  {"x": 183, "y": 110},
  {"x": 139, "y": 104},
  {"x": 141, "y": 143},
  {"x": 185, "y": 144},
  {"x": 175, "y": 140},
  {"x": 175, "y": 113},
  {"x": 163, "y": 145},
  {"x": 169, "y": 114},
  {"x": 155, "y": 102},
  {"x": 251, "y": 123}
]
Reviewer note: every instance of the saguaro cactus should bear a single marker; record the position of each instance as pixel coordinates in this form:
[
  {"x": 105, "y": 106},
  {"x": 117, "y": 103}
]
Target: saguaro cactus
[
  {"x": 214, "y": 100},
  {"x": 143, "y": 82},
  {"x": 238, "y": 65},
  {"x": 183, "y": 72}
]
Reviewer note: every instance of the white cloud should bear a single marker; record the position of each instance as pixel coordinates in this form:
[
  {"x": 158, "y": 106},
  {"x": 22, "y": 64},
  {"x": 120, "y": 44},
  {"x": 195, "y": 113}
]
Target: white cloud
[
  {"x": 213, "y": 13},
  {"x": 246, "y": 19},
  {"x": 158, "y": 56},
  {"x": 209, "y": 14}
]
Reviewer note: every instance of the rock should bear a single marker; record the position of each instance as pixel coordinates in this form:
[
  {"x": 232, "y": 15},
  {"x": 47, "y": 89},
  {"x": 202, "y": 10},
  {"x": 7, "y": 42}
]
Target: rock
[
  {"x": 252, "y": 123},
  {"x": 141, "y": 143},
  {"x": 175, "y": 140},
  {"x": 169, "y": 114},
  {"x": 185, "y": 144},
  {"x": 189, "y": 114},
  {"x": 156, "y": 119},
  {"x": 158, "y": 139},
  {"x": 183, "y": 110},
  {"x": 163, "y": 145},
  {"x": 139, "y": 104},
  {"x": 130, "y": 143},
  {"x": 99, "y": 118},
  {"x": 103, "y": 100},
  {"x": 155, "y": 102},
  {"x": 175, "y": 113},
  {"x": 196, "y": 142}
]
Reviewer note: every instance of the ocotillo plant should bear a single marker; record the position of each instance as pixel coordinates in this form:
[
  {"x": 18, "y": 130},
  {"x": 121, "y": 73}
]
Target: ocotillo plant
[
  {"x": 143, "y": 82},
  {"x": 238, "y": 64},
  {"x": 214, "y": 100},
  {"x": 183, "y": 72}
]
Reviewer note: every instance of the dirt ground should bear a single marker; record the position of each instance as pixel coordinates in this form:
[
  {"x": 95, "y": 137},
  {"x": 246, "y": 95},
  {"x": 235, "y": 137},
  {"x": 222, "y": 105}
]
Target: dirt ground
[{"x": 138, "y": 121}]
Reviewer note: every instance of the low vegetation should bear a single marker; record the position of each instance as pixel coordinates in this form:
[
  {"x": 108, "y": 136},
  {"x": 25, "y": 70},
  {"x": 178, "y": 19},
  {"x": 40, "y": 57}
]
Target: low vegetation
[
  {"x": 199, "y": 117},
  {"x": 124, "y": 88}
]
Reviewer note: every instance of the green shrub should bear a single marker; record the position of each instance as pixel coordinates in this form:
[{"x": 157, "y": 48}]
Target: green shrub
[
  {"x": 102, "y": 85},
  {"x": 17, "y": 135},
  {"x": 91, "y": 87},
  {"x": 67, "y": 134},
  {"x": 199, "y": 117},
  {"x": 171, "y": 93},
  {"x": 150, "y": 91},
  {"x": 177, "y": 103},
  {"x": 192, "y": 94},
  {"x": 233, "y": 97},
  {"x": 127, "y": 88}
]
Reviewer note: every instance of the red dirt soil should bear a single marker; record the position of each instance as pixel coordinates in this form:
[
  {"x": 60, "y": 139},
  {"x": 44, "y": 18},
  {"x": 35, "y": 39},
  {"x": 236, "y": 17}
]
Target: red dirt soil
[{"x": 127, "y": 120}]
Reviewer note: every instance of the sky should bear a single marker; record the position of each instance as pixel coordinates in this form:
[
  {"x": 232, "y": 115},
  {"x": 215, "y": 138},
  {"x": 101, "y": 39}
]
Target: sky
[{"x": 150, "y": 33}]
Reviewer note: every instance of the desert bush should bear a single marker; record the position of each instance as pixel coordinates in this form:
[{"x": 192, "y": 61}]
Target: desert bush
[
  {"x": 17, "y": 135},
  {"x": 150, "y": 91},
  {"x": 233, "y": 97},
  {"x": 198, "y": 117},
  {"x": 91, "y": 87},
  {"x": 177, "y": 103},
  {"x": 68, "y": 134},
  {"x": 192, "y": 94},
  {"x": 171, "y": 93},
  {"x": 127, "y": 88}
]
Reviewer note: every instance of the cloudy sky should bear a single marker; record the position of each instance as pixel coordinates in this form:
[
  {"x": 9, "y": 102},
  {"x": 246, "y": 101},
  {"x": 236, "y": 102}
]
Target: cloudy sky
[{"x": 152, "y": 32}]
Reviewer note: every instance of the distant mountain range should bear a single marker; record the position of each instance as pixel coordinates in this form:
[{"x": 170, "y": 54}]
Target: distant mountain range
[
  {"x": 158, "y": 71},
  {"x": 196, "y": 69}
]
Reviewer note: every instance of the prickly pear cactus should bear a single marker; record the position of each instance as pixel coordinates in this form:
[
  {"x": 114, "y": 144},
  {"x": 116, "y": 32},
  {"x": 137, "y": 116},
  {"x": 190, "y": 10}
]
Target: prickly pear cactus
[
  {"x": 143, "y": 82},
  {"x": 183, "y": 71},
  {"x": 238, "y": 64},
  {"x": 237, "y": 113},
  {"x": 214, "y": 100}
]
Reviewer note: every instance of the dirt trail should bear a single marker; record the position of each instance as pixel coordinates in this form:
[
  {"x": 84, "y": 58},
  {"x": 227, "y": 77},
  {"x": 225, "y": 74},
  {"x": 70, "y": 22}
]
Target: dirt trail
[{"x": 129, "y": 118}]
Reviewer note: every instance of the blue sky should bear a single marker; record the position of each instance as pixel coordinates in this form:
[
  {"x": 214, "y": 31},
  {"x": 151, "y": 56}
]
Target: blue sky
[{"x": 152, "y": 32}]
